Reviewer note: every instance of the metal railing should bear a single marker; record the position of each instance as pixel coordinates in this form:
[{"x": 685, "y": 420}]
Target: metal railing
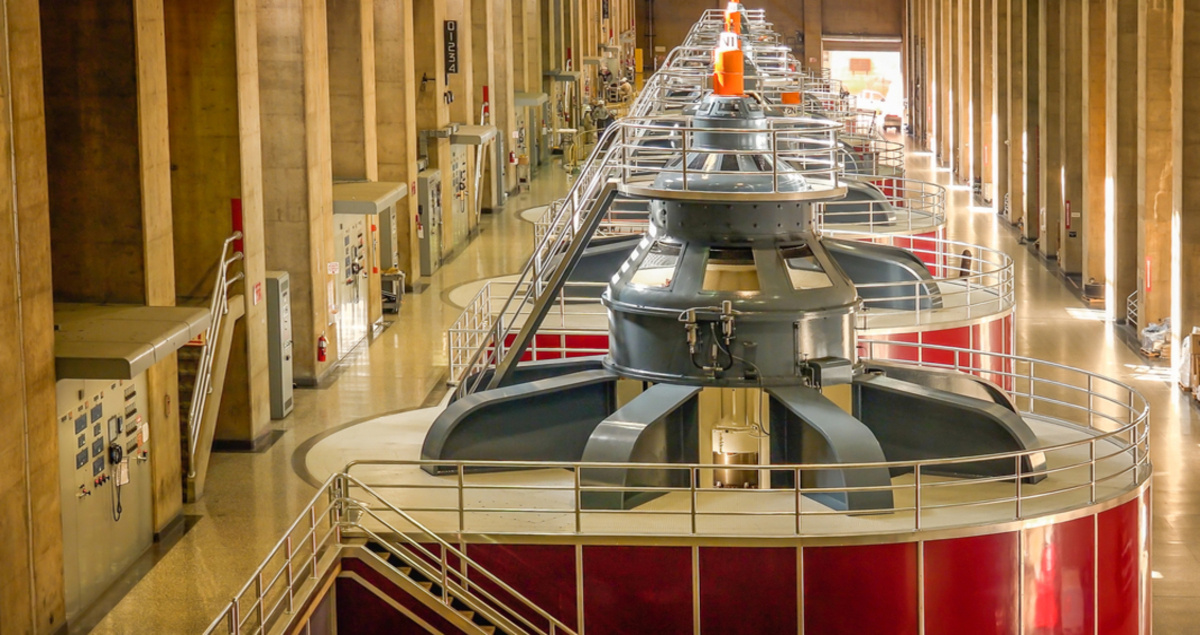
[
  {"x": 871, "y": 156},
  {"x": 1131, "y": 311},
  {"x": 665, "y": 147},
  {"x": 335, "y": 522},
  {"x": 972, "y": 286},
  {"x": 905, "y": 206},
  {"x": 218, "y": 308},
  {"x": 1096, "y": 449},
  {"x": 970, "y": 282},
  {"x": 569, "y": 218},
  {"x": 577, "y": 311}
]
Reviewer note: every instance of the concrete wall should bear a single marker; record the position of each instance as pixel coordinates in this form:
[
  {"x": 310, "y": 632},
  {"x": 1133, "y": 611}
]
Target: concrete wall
[
  {"x": 31, "y": 583},
  {"x": 673, "y": 18}
]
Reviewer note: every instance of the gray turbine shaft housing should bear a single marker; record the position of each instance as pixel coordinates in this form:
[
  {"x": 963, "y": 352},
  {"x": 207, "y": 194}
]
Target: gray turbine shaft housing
[{"x": 776, "y": 326}]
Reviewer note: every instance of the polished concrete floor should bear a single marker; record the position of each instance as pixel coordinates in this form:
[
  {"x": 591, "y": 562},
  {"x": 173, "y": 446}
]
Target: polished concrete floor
[{"x": 252, "y": 498}]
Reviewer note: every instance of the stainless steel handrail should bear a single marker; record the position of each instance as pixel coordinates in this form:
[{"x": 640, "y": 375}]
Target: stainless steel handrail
[
  {"x": 979, "y": 285},
  {"x": 218, "y": 308},
  {"x": 332, "y": 523},
  {"x": 1107, "y": 457}
]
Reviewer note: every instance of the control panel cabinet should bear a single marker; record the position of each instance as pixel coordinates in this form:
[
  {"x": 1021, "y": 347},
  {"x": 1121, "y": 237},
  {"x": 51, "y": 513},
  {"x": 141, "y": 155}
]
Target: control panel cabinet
[
  {"x": 429, "y": 220},
  {"x": 279, "y": 342},
  {"x": 463, "y": 223},
  {"x": 104, "y": 481}
]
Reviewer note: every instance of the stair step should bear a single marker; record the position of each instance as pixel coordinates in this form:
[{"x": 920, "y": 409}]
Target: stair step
[
  {"x": 469, "y": 615},
  {"x": 488, "y": 629}
]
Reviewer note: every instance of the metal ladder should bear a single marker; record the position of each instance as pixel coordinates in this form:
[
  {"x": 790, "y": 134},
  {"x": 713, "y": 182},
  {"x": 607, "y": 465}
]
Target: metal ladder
[{"x": 553, "y": 258}]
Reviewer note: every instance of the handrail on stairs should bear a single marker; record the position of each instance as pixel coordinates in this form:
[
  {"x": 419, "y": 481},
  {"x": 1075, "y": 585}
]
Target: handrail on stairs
[
  {"x": 335, "y": 522},
  {"x": 529, "y": 285},
  {"x": 218, "y": 308}
]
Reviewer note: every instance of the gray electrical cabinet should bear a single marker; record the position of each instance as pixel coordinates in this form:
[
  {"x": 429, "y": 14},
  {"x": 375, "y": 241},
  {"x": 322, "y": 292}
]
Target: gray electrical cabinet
[
  {"x": 104, "y": 481},
  {"x": 429, "y": 220},
  {"x": 279, "y": 342}
]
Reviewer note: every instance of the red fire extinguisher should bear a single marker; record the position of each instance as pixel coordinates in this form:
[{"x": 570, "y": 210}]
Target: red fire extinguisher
[
  {"x": 512, "y": 158},
  {"x": 322, "y": 348}
]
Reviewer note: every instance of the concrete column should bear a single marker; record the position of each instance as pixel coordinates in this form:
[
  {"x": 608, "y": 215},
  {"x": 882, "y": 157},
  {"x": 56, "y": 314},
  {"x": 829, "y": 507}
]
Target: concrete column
[
  {"x": 813, "y": 47},
  {"x": 31, "y": 596},
  {"x": 1156, "y": 168},
  {"x": 351, "y": 36},
  {"x": 945, "y": 88},
  {"x": 1121, "y": 155},
  {"x": 931, "y": 84},
  {"x": 464, "y": 111},
  {"x": 961, "y": 82},
  {"x": 433, "y": 111},
  {"x": 979, "y": 18},
  {"x": 503, "y": 108},
  {"x": 1095, "y": 127},
  {"x": 213, "y": 100},
  {"x": 1185, "y": 237},
  {"x": 396, "y": 89},
  {"x": 1018, "y": 138},
  {"x": 162, "y": 379},
  {"x": 484, "y": 32},
  {"x": 1050, "y": 90},
  {"x": 350, "y": 32},
  {"x": 1034, "y": 148},
  {"x": 1001, "y": 142},
  {"x": 298, "y": 170},
  {"x": 1072, "y": 136},
  {"x": 109, "y": 172}
]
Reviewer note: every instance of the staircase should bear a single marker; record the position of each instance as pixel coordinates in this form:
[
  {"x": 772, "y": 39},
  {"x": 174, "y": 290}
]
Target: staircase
[
  {"x": 568, "y": 233},
  {"x": 413, "y": 579},
  {"x": 202, "y": 366}
]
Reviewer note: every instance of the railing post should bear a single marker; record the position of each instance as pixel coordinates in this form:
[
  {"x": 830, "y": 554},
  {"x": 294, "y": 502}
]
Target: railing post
[
  {"x": 312, "y": 526},
  {"x": 262, "y": 604},
  {"x": 578, "y": 502},
  {"x": 290, "y": 577},
  {"x": 799, "y": 513},
  {"x": 695, "y": 476},
  {"x": 917, "y": 497},
  {"x": 462, "y": 505},
  {"x": 1020, "y": 491},
  {"x": 445, "y": 578},
  {"x": 235, "y": 617},
  {"x": 1092, "y": 469}
]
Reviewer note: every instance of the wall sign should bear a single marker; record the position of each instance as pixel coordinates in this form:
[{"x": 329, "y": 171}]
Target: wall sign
[{"x": 451, "y": 30}]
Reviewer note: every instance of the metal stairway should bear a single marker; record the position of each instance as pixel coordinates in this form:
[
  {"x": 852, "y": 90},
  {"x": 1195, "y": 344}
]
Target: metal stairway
[{"x": 553, "y": 258}]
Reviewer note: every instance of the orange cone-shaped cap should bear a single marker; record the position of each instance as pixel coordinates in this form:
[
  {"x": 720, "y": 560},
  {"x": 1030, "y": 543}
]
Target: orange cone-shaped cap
[
  {"x": 729, "y": 67},
  {"x": 733, "y": 18}
]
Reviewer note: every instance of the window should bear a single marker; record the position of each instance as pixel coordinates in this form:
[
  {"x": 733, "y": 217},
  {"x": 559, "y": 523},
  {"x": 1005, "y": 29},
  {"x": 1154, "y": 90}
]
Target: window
[
  {"x": 804, "y": 271},
  {"x": 731, "y": 269},
  {"x": 657, "y": 269}
]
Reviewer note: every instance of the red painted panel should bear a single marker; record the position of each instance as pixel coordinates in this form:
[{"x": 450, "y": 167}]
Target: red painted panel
[
  {"x": 958, "y": 337},
  {"x": 861, "y": 589},
  {"x": 1059, "y": 573},
  {"x": 925, "y": 247},
  {"x": 637, "y": 590},
  {"x": 363, "y": 612},
  {"x": 971, "y": 585},
  {"x": 1117, "y": 557},
  {"x": 585, "y": 345},
  {"x": 385, "y": 618},
  {"x": 544, "y": 574},
  {"x": 747, "y": 590},
  {"x": 899, "y": 353}
]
